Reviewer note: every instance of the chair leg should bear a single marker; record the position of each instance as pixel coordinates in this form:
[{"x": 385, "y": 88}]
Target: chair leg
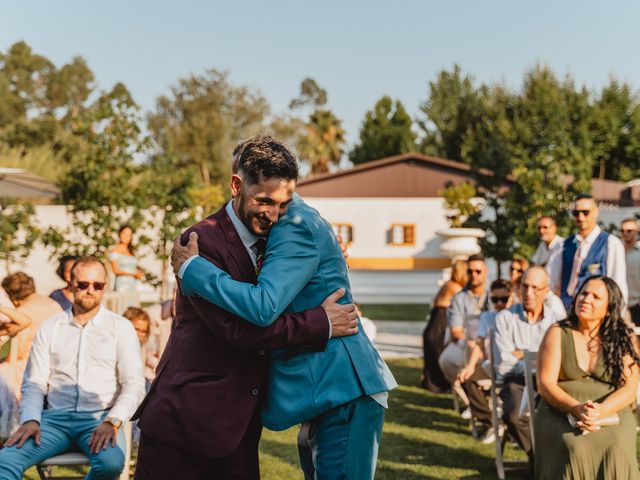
[{"x": 43, "y": 472}]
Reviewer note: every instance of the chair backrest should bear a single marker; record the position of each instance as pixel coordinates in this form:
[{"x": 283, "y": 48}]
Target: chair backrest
[{"x": 530, "y": 365}]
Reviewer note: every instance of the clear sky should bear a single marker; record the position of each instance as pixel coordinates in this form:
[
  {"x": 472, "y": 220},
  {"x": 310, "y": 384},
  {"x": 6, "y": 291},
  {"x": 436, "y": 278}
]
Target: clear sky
[{"x": 357, "y": 50}]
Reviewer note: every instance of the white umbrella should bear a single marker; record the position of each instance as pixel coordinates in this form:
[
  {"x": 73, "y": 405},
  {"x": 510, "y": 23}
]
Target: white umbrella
[{"x": 18, "y": 183}]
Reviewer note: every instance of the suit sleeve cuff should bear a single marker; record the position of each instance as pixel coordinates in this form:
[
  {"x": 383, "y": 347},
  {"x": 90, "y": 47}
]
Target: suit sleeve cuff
[
  {"x": 328, "y": 320},
  {"x": 185, "y": 265},
  {"x": 29, "y": 415}
]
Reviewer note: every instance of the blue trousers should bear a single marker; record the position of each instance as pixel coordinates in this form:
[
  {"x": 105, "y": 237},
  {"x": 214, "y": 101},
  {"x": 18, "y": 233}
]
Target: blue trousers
[
  {"x": 59, "y": 433},
  {"x": 342, "y": 444}
]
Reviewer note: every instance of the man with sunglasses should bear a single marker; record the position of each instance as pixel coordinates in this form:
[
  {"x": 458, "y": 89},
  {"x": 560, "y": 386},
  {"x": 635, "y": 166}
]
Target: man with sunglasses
[
  {"x": 84, "y": 379},
  {"x": 629, "y": 233},
  {"x": 550, "y": 241},
  {"x": 463, "y": 317},
  {"x": 586, "y": 253}
]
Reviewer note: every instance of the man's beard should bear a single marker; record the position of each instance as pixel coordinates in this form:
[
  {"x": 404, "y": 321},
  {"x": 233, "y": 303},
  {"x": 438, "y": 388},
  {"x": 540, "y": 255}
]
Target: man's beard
[{"x": 87, "y": 303}]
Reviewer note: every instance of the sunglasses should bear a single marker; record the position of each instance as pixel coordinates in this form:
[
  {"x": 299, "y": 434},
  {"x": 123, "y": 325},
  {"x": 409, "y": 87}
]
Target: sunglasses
[
  {"x": 97, "y": 286},
  {"x": 629, "y": 230},
  {"x": 499, "y": 299},
  {"x": 576, "y": 213},
  {"x": 471, "y": 272},
  {"x": 519, "y": 270}
]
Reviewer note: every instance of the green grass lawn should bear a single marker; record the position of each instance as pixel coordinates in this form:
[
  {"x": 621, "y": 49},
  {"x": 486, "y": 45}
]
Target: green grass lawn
[
  {"x": 423, "y": 439},
  {"x": 404, "y": 312}
]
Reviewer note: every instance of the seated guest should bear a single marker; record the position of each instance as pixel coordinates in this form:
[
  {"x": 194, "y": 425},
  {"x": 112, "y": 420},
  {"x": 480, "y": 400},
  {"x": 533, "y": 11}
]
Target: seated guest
[
  {"x": 518, "y": 328},
  {"x": 22, "y": 293},
  {"x": 501, "y": 297},
  {"x": 464, "y": 313},
  {"x": 518, "y": 267},
  {"x": 85, "y": 362},
  {"x": 434, "y": 333},
  {"x": 11, "y": 323},
  {"x": 588, "y": 369},
  {"x": 63, "y": 295},
  {"x": 148, "y": 343},
  {"x": 161, "y": 316}
]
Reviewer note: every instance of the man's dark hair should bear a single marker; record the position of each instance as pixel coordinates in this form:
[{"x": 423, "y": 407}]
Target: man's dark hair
[
  {"x": 500, "y": 284},
  {"x": 62, "y": 262},
  {"x": 583, "y": 196},
  {"x": 18, "y": 286},
  {"x": 263, "y": 156},
  {"x": 478, "y": 257},
  {"x": 88, "y": 260}
]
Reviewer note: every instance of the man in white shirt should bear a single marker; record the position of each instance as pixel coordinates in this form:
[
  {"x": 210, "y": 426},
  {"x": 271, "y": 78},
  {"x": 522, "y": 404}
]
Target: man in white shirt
[
  {"x": 84, "y": 379},
  {"x": 550, "y": 241},
  {"x": 518, "y": 328},
  {"x": 587, "y": 253},
  {"x": 629, "y": 234}
]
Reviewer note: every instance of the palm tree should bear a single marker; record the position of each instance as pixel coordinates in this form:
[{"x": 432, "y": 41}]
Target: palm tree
[{"x": 322, "y": 144}]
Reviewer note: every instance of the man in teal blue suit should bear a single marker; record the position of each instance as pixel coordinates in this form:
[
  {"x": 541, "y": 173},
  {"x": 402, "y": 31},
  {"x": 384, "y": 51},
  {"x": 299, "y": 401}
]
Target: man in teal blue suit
[{"x": 339, "y": 395}]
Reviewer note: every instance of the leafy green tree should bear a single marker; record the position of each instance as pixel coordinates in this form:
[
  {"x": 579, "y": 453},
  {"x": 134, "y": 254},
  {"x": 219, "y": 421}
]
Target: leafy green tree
[
  {"x": 169, "y": 209},
  {"x": 202, "y": 121},
  {"x": 321, "y": 142},
  {"x": 103, "y": 187},
  {"x": 18, "y": 231},
  {"x": 451, "y": 106},
  {"x": 386, "y": 131}
]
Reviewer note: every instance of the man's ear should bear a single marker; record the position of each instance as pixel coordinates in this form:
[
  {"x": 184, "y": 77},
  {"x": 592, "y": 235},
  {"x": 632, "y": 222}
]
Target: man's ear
[{"x": 236, "y": 184}]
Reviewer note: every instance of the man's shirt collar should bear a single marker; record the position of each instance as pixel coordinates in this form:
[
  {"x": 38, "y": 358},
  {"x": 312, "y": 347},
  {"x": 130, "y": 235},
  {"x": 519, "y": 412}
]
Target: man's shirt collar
[
  {"x": 589, "y": 239},
  {"x": 248, "y": 238}
]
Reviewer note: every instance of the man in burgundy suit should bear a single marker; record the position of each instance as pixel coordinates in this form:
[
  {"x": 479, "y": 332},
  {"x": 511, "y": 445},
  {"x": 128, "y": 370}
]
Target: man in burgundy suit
[{"x": 200, "y": 419}]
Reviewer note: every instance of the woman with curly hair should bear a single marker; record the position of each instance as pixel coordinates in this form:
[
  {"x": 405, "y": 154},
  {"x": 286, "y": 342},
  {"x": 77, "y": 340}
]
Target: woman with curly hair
[{"x": 587, "y": 378}]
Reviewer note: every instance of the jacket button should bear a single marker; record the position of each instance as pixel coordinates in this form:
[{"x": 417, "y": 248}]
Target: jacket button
[
  {"x": 261, "y": 352},
  {"x": 254, "y": 392}
]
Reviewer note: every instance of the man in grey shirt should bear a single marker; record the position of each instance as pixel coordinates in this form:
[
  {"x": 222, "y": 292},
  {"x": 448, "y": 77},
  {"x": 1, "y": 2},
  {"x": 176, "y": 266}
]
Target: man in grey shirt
[
  {"x": 463, "y": 318},
  {"x": 518, "y": 328},
  {"x": 629, "y": 234}
]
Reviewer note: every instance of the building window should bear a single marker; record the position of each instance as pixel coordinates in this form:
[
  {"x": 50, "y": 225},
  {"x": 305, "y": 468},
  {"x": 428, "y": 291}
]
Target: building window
[
  {"x": 402, "y": 234},
  {"x": 344, "y": 230}
]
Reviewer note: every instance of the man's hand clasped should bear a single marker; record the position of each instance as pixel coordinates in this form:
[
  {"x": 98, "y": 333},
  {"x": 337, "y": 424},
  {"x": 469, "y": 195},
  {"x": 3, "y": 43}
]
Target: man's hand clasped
[
  {"x": 344, "y": 318},
  {"x": 181, "y": 253}
]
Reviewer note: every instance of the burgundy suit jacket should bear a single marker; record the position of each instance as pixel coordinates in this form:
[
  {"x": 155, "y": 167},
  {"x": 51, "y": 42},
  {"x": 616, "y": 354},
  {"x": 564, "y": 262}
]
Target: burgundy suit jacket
[{"x": 211, "y": 377}]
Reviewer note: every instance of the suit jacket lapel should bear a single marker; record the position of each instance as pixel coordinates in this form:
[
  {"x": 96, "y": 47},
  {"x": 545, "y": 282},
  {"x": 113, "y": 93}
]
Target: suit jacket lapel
[{"x": 236, "y": 252}]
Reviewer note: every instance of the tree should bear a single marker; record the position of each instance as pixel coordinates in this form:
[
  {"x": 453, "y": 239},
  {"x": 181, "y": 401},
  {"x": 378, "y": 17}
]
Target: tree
[
  {"x": 321, "y": 143},
  {"x": 18, "y": 231},
  {"x": 169, "y": 208},
  {"x": 452, "y": 105},
  {"x": 104, "y": 189},
  {"x": 201, "y": 122},
  {"x": 386, "y": 131}
]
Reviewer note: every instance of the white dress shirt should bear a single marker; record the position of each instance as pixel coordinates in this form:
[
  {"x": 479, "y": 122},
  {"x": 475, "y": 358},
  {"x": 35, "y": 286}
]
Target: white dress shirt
[
  {"x": 93, "y": 368},
  {"x": 616, "y": 263},
  {"x": 515, "y": 332},
  {"x": 544, "y": 251},
  {"x": 633, "y": 274}
]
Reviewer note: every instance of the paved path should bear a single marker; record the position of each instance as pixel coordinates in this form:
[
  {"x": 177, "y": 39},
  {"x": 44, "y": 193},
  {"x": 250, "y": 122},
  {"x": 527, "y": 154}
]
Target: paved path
[{"x": 399, "y": 339}]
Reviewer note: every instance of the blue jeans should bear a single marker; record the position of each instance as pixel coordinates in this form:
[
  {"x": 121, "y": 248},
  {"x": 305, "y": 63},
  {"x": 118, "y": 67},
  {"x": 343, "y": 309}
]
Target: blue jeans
[
  {"x": 342, "y": 444},
  {"x": 59, "y": 433}
]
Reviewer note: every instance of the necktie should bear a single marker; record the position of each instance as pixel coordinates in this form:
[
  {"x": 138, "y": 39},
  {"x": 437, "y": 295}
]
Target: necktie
[
  {"x": 575, "y": 268},
  {"x": 260, "y": 247}
]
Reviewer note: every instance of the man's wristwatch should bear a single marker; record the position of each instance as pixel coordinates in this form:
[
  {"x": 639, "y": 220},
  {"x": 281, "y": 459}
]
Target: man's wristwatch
[{"x": 116, "y": 422}]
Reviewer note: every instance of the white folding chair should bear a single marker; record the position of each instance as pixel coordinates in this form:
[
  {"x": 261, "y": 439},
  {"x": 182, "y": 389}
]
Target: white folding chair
[
  {"x": 530, "y": 365},
  {"x": 79, "y": 459},
  {"x": 502, "y": 465}
]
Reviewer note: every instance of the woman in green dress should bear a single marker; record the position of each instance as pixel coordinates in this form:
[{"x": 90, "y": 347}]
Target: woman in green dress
[{"x": 587, "y": 376}]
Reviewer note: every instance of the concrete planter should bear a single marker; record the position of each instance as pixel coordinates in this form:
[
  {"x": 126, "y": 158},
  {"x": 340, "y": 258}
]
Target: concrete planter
[{"x": 459, "y": 243}]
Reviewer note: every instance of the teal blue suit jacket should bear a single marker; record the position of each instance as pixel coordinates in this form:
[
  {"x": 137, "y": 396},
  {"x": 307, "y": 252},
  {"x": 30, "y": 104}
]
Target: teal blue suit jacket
[{"x": 303, "y": 264}]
